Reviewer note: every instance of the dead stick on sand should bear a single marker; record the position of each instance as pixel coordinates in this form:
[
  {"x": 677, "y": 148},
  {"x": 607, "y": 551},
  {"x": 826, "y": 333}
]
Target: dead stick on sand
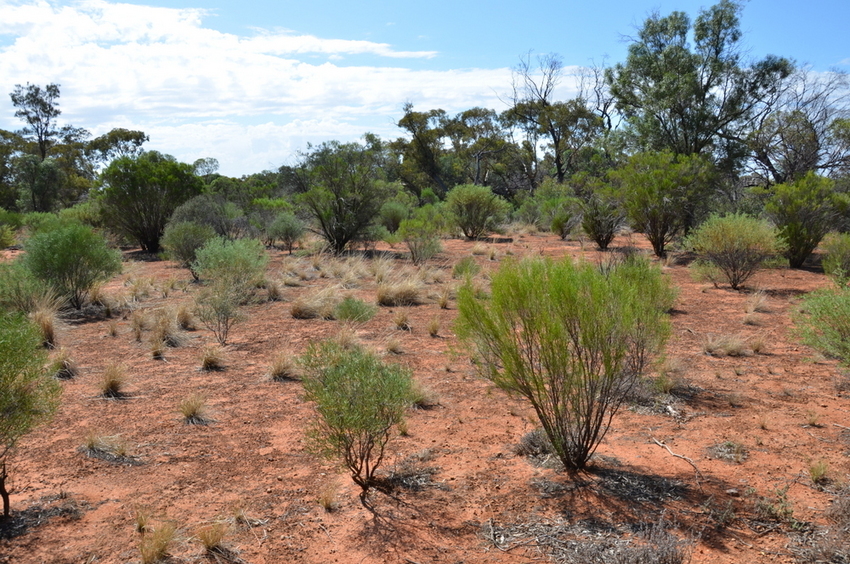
[{"x": 697, "y": 473}]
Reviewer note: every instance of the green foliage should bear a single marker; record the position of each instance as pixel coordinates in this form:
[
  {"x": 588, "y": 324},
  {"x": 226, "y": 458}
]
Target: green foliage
[
  {"x": 422, "y": 239},
  {"x": 217, "y": 307},
  {"x": 345, "y": 194},
  {"x": 240, "y": 264},
  {"x": 391, "y": 215},
  {"x": 359, "y": 399},
  {"x": 465, "y": 267},
  {"x": 28, "y": 393},
  {"x": 824, "y": 322},
  {"x": 601, "y": 219},
  {"x": 224, "y": 217},
  {"x": 737, "y": 245},
  {"x": 182, "y": 240},
  {"x": 476, "y": 210},
  {"x": 21, "y": 291},
  {"x": 662, "y": 194},
  {"x": 805, "y": 211},
  {"x": 569, "y": 338},
  {"x": 565, "y": 213},
  {"x": 72, "y": 259},
  {"x": 140, "y": 193},
  {"x": 352, "y": 309},
  {"x": 286, "y": 228},
  {"x": 7, "y": 236},
  {"x": 836, "y": 263}
]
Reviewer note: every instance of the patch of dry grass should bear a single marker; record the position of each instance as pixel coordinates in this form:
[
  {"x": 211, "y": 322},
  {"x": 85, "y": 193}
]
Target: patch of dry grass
[
  {"x": 317, "y": 304},
  {"x": 283, "y": 367},
  {"x": 403, "y": 292},
  {"x": 154, "y": 546},
  {"x": 112, "y": 381},
  {"x": 212, "y": 358},
  {"x": 725, "y": 345},
  {"x": 194, "y": 410}
]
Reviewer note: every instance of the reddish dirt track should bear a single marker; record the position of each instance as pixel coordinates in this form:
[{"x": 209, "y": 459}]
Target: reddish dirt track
[{"x": 779, "y": 410}]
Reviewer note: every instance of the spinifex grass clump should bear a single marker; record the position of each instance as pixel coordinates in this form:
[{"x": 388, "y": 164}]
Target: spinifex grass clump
[{"x": 570, "y": 339}]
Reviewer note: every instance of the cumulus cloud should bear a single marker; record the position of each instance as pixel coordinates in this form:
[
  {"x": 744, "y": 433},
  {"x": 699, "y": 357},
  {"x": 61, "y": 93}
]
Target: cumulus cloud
[{"x": 248, "y": 100}]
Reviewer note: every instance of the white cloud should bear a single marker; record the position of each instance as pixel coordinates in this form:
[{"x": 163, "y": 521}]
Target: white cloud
[{"x": 249, "y": 101}]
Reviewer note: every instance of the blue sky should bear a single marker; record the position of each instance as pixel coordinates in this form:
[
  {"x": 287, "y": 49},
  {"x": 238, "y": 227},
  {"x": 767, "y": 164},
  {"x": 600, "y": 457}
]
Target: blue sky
[{"x": 251, "y": 83}]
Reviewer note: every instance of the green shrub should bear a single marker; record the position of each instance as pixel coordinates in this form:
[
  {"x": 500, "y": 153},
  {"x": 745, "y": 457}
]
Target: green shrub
[
  {"x": 240, "y": 264},
  {"x": 213, "y": 211},
  {"x": 738, "y": 245},
  {"x": 359, "y": 399},
  {"x": 217, "y": 307},
  {"x": 601, "y": 219},
  {"x": 286, "y": 228},
  {"x": 28, "y": 392},
  {"x": 804, "y": 211},
  {"x": 352, "y": 309},
  {"x": 465, "y": 267},
  {"x": 422, "y": 239},
  {"x": 22, "y": 292},
  {"x": 391, "y": 215},
  {"x": 476, "y": 210},
  {"x": 72, "y": 259},
  {"x": 565, "y": 214},
  {"x": 182, "y": 240},
  {"x": 570, "y": 339},
  {"x": 824, "y": 322},
  {"x": 7, "y": 236},
  {"x": 836, "y": 263}
]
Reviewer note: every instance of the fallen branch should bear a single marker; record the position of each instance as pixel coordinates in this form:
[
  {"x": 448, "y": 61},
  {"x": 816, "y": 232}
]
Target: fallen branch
[{"x": 697, "y": 473}]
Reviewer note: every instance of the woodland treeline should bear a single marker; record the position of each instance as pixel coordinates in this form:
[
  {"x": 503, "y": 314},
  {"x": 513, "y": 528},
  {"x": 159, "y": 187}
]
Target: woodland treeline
[{"x": 688, "y": 125}]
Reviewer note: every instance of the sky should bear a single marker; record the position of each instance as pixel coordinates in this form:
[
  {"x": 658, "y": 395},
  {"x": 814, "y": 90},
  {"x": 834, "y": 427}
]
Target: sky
[{"x": 251, "y": 83}]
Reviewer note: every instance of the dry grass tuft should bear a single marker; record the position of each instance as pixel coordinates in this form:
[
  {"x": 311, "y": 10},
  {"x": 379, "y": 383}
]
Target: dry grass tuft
[
  {"x": 402, "y": 320},
  {"x": 139, "y": 322},
  {"x": 185, "y": 318},
  {"x": 394, "y": 346},
  {"x": 212, "y": 358},
  {"x": 725, "y": 345},
  {"x": 143, "y": 519},
  {"x": 757, "y": 303},
  {"x": 45, "y": 320},
  {"x": 112, "y": 381},
  {"x": 107, "y": 447},
  {"x": 62, "y": 366},
  {"x": 403, "y": 292},
  {"x": 318, "y": 304},
  {"x": 422, "y": 396},
  {"x": 193, "y": 408},
  {"x": 283, "y": 367},
  {"x": 328, "y": 497},
  {"x": 212, "y": 536},
  {"x": 166, "y": 328},
  {"x": 154, "y": 546},
  {"x": 273, "y": 291},
  {"x": 434, "y": 327}
]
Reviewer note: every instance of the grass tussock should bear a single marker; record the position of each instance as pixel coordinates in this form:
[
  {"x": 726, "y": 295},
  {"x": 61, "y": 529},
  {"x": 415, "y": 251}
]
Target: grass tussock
[
  {"x": 185, "y": 318},
  {"x": 283, "y": 367},
  {"x": 212, "y": 358},
  {"x": 319, "y": 304},
  {"x": 45, "y": 320},
  {"x": 328, "y": 497},
  {"x": 154, "y": 546},
  {"x": 194, "y": 410},
  {"x": 113, "y": 381},
  {"x": 400, "y": 293},
  {"x": 401, "y": 319},
  {"x": 63, "y": 366},
  {"x": 725, "y": 345},
  {"x": 212, "y": 535}
]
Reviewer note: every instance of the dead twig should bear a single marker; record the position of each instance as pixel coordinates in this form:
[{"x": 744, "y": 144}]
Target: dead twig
[{"x": 697, "y": 473}]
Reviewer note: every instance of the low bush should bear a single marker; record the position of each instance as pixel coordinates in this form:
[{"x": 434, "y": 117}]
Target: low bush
[
  {"x": 182, "y": 240},
  {"x": 476, "y": 210},
  {"x": 836, "y": 263},
  {"x": 286, "y": 228},
  {"x": 352, "y": 309},
  {"x": 601, "y": 219},
  {"x": 737, "y": 245},
  {"x": 422, "y": 239},
  {"x": 823, "y": 322}
]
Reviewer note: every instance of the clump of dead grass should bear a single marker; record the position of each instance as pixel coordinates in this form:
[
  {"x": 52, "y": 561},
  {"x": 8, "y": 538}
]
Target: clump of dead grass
[
  {"x": 725, "y": 345},
  {"x": 63, "y": 366},
  {"x": 154, "y": 546},
  {"x": 194, "y": 410},
  {"x": 212, "y": 358},
  {"x": 283, "y": 367},
  {"x": 45, "y": 320},
  {"x": 317, "y": 304},
  {"x": 112, "y": 381},
  {"x": 403, "y": 292}
]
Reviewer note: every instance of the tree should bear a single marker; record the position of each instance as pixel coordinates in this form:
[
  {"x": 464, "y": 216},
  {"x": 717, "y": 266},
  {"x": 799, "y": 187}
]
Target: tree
[
  {"x": 662, "y": 194},
  {"x": 345, "y": 193},
  {"x": 39, "y": 182},
  {"x": 71, "y": 258},
  {"x": 359, "y": 399},
  {"x": 28, "y": 393},
  {"x": 139, "y": 194},
  {"x": 116, "y": 143},
  {"x": 688, "y": 100},
  {"x": 568, "y": 338},
  {"x": 38, "y": 108},
  {"x": 805, "y": 211}
]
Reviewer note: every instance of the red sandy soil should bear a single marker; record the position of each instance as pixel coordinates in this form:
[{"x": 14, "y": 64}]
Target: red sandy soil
[{"x": 782, "y": 407}]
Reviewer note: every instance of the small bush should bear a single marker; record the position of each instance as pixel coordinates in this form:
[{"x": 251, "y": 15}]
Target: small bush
[
  {"x": 217, "y": 307},
  {"x": 465, "y": 267},
  {"x": 73, "y": 259},
  {"x": 823, "y": 322},
  {"x": 422, "y": 239},
  {"x": 601, "y": 219},
  {"x": 738, "y": 245},
  {"x": 181, "y": 242},
  {"x": 21, "y": 291},
  {"x": 392, "y": 214},
  {"x": 286, "y": 228},
  {"x": 238, "y": 264},
  {"x": 352, "y": 309},
  {"x": 836, "y": 263},
  {"x": 476, "y": 210},
  {"x": 359, "y": 399}
]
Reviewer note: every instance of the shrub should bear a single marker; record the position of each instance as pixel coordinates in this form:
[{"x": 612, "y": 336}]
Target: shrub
[
  {"x": 182, "y": 240},
  {"x": 359, "y": 399},
  {"x": 223, "y": 217},
  {"x": 392, "y": 214},
  {"x": 352, "y": 309},
  {"x": 21, "y": 291},
  {"x": 476, "y": 210},
  {"x": 239, "y": 264},
  {"x": 465, "y": 267},
  {"x": 804, "y": 211},
  {"x": 566, "y": 215},
  {"x": 824, "y": 322},
  {"x": 836, "y": 263},
  {"x": 422, "y": 239},
  {"x": 286, "y": 228},
  {"x": 736, "y": 244},
  {"x": 568, "y": 338},
  {"x": 217, "y": 308},
  {"x": 28, "y": 393},
  {"x": 601, "y": 219},
  {"x": 73, "y": 259}
]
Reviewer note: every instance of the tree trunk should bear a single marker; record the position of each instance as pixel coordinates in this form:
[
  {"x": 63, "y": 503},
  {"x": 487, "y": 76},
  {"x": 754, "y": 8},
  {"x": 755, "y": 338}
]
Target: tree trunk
[{"x": 4, "y": 493}]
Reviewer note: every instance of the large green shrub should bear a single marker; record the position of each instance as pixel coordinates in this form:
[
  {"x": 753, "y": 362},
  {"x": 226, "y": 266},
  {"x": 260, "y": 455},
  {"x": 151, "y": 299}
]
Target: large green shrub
[
  {"x": 72, "y": 259},
  {"x": 241, "y": 263},
  {"x": 737, "y": 245},
  {"x": 359, "y": 399},
  {"x": 570, "y": 339},
  {"x": 28, "y": 393},
  {"x": 823, "y": 322},
  {"x": 805, "y": 211},
  {"x": 286, "y": 227},
  {"x": 601, "y": 219},
  {"x": 422, "y": 239},
  {"x": 476, "y": 210},
  {"x": 182, "y": 240}
]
